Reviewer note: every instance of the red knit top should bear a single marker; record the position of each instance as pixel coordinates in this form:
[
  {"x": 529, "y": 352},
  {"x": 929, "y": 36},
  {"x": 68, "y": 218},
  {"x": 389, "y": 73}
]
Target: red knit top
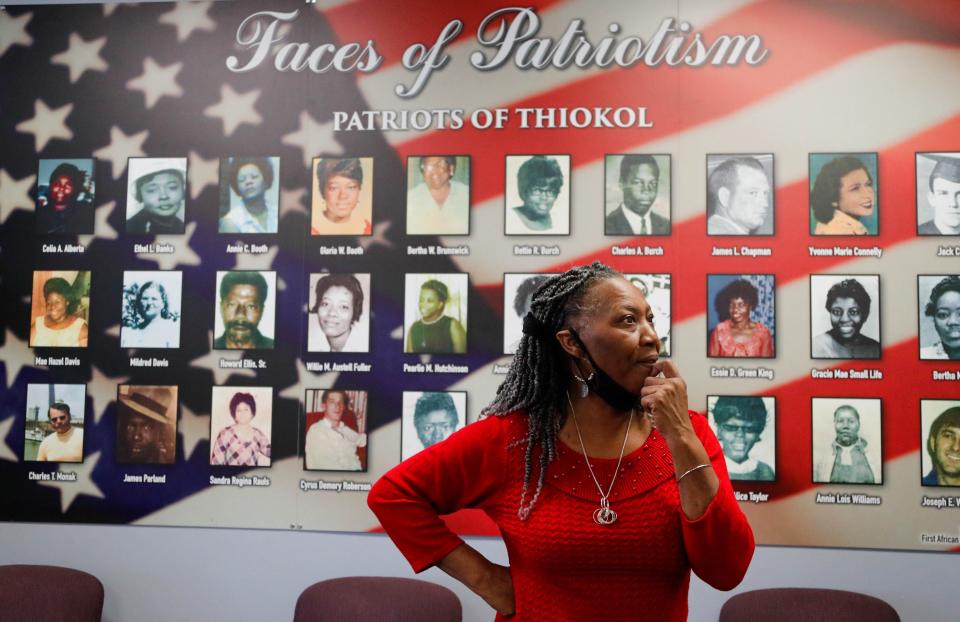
[{"x": 565, "y": 566}]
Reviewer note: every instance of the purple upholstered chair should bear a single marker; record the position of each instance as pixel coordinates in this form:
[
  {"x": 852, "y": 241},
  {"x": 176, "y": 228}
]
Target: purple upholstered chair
[
  {"x": 791, "y": 604},
  {"x": 49, "y": 594},
  {"x": 382, "y": 599}
]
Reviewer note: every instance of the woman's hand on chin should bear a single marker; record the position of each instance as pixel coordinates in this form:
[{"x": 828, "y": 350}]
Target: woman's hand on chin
[{"x": 664, "y": 401}]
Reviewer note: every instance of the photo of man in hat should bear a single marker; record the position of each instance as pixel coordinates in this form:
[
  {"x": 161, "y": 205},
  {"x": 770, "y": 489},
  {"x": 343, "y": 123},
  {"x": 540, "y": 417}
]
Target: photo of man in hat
[
  {"x": 938, "y": 191},
  {"x": 146, "y": 424},
  {"x": 156, "y": 192}
]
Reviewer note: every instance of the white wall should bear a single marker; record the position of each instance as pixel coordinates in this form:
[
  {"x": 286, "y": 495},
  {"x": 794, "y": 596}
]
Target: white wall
[{"x": 172, "y": 574}]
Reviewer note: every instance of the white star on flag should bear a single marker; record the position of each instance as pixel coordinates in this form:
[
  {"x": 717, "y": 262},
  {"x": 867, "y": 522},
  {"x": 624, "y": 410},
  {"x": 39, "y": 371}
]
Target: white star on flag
[
  {"x": 81, "y": 56},
  {"x": 47, "y": 124},
  {"x": 156, "y": 81},
  {"x": 182, "y": 256},
  {"x": 102, "y": 390},
  {"x": 101, "y": 228},
  {"x": 260, "y": 261},
  {"x": 291, "y": 201},
  {"x": 13, "y": 31},
  {"x": 211, "y": 361},
  {"x": 235, "y": 109},
  {"x": 121, "y": 147},
  {"x": 70, "y": 490},
  {"x": 187, "y": 17},
  {"x": 15, "y": 194},
  {"x": 6, "y": 451},
  {"x": 194, "y": 429},
  {"x": 379, "y": 236},
  {"x": 15, "y": 355},
  {"x": 202, "y": 173},
  {"x": 314, "y": 139}
]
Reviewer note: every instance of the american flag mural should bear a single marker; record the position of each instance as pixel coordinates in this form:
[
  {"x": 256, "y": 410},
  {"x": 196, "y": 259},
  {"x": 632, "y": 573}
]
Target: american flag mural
[{"x": 114, "y": 82}]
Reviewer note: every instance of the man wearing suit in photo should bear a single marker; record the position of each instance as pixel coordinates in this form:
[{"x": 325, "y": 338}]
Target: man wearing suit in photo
[{"x": 640, "y": 184}]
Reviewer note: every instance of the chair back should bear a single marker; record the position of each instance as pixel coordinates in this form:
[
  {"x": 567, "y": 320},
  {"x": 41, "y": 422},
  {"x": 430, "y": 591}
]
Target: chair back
[
  {"x": 791, "y": 604},
  {"x": 381, "y": 599},
  {"x": 49, "y": 594}
]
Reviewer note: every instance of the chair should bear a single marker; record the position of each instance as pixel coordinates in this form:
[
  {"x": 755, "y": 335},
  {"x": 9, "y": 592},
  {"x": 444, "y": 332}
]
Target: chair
[
  {"x": 383, "y": 599},
  {"x": 49, "y": 594},
  {"x": 790, "y": 604}
]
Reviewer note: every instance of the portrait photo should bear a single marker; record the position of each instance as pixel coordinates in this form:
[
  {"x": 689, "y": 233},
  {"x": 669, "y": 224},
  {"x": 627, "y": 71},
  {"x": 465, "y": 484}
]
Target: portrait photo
[
  {"x": 244, "y": 318},
  {"x": 637, "y": 194},
  {"x": 335, "y": 430},
  {"x": 156, "y": 195},
  {"x": 54, "y": 423},
  {"x": 438, "y": 195},
  {"x": 844, "y": 197},
  {"x": 746, "y": 427},
  {"x": 537, "y": 195},
  {"x": 939, "y": 313},
  {"x": 146, "y": 424},
  {"x": 150, "y": 311},
  {"x": 656, "y": 289},
  {"x": 341, "y": 196},
  {"x": 740, "y": 193},
  {"x": 940, "y": 443},
  {"x": 430, "y": 417},
  {"x": 845, "y": 316},
  {"x": 847, "y": 440},
  {"x": 65, "y": 193},
  {"x": 741, "y": 315},
  {"x": 241, "y": 421},
  {"x": 938, "y": 193},
  {"x": 60, "y": 309},
  {"x": 249, "y": 194},
  {"x": 339, "y": 312},
  {"x": 435, "y": 313},
  {"x": 517, "y": 292}
]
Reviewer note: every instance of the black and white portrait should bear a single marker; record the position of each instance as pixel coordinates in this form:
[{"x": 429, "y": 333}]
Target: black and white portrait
[
  {"x": 746, "y": 428},
  {"x": 150, "y": 315},
  {"x": 847, "y": 441},
  {"x": 156, "y": 195},
  {"x": 939, "y": 313},
  {"x": 438, "y": 195},
  {"x": 740, "y": 194},
  {"x": 249, "y": 194},
  {"x": 430, "y": 417},
  {"x": 637, "y": 194},
  {"x": 518, "y": 290},
  {"x": 656, "y": 289},
  {"x": 537, "y": 195},
  {"x": 339, "y": 313},
  {"x": 845, "y": 316},
  {"x": 938, "y": 193}
]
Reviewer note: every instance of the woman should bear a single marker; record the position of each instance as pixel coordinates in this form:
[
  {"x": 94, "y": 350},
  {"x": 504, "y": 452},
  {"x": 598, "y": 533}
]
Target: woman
[
  {"x": 848, "y": 304},
  {"x": 539, "y": 181},
  {"x": 338, "y": 305},
  {"x": 842, "y": 194},
  {"x": 241, "y": 444},
  {"x": 737, "y": 335},
  {"x": 584, "y": 544},
  {"x": 740, "y": 422},
  {"x": 944, "y": 308},
  {"x": 340, "y": 181},
  {"x": 435, "y": 332},
  {"x": 59, "y": 326},
  {"x": 250, "y": 179},
  {"x": 151, "y": 323},
  {"x": 67, "y": 204}
]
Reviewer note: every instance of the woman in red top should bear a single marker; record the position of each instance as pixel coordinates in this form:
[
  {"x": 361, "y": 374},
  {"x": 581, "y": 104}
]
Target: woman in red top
[{"x": 607, "y": 490}]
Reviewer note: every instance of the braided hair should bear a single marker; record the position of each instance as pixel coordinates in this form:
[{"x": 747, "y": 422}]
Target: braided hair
[{"x": 539, "y": 369}]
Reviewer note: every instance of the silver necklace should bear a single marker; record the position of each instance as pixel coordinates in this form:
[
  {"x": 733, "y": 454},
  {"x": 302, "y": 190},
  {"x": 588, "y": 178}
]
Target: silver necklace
[{"x": 603, "y": 515}]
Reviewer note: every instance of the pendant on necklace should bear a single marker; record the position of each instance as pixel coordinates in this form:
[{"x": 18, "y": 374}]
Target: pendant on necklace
[{"x": 603, "y": 515}]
